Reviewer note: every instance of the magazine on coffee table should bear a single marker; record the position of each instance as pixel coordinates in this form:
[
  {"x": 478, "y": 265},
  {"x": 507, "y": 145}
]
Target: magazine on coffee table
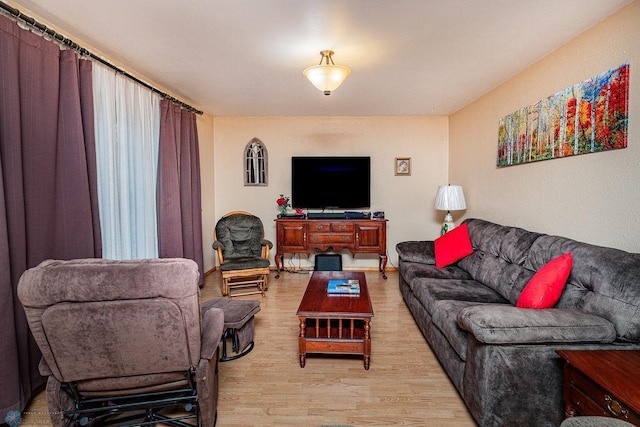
[{"x": 343, "y": 287}]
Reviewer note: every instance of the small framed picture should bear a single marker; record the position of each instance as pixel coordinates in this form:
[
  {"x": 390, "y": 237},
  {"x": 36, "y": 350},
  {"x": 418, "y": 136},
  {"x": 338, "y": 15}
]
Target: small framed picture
[{"x": 403, "y": 166}]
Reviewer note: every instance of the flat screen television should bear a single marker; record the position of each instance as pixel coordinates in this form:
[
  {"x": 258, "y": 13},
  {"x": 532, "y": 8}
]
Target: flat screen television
[{"x": 331, "y": 182}]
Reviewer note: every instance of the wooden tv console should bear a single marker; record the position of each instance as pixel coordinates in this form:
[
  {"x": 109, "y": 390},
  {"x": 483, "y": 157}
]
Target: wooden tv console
[{"x": 358, "y": 236}]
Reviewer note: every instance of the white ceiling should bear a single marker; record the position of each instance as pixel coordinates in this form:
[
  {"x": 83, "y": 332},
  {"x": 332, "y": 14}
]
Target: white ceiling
[{"x": 245, "y": 57}]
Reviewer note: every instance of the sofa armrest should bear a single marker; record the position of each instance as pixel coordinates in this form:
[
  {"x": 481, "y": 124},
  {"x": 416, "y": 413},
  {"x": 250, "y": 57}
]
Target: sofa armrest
[
  {"x": 416, "y": 251},
  {"x": 211, "y": 333},
  {"x": 505, "y": 324}
]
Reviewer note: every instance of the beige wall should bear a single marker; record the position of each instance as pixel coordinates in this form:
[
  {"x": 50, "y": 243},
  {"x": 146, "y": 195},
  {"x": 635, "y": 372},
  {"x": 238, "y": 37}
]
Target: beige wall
[
  {"x": 407, "y": 200},
  {"x": 593, "y": 198}
]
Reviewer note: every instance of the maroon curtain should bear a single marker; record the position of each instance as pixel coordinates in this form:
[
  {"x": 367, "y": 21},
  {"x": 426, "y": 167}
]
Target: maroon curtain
[
  {"x": 179, "y": 204},
  {"x": 48, "y": 193}
]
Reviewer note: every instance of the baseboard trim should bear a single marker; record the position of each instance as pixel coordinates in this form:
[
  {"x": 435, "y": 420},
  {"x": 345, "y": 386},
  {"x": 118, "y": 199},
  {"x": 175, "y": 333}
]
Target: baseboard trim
[{"x": 273, "y": 268}]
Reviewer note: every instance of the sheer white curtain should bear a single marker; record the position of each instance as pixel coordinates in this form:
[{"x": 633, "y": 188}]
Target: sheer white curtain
[{"x": 127, "y": 126}]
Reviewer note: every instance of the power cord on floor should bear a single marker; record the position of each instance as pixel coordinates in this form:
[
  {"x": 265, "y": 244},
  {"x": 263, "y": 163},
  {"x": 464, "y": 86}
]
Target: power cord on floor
[{"x": 292, "y": 268}]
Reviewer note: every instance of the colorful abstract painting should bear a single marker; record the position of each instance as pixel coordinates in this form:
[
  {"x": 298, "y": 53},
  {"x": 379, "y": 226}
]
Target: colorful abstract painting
[{"x": 585, "y": 118}]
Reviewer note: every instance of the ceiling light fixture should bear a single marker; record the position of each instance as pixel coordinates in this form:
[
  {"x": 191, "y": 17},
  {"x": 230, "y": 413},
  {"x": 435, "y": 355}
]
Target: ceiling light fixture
[{"x": 327, "y": 77}]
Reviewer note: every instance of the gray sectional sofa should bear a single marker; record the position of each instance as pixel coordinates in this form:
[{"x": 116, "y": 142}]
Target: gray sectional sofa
[{"x": 500, "y": 358}]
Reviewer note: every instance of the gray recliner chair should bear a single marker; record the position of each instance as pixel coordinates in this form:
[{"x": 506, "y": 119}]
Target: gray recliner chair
[
  {"x": 243, "y": 253},
  {"x": 124, "y": 341}
]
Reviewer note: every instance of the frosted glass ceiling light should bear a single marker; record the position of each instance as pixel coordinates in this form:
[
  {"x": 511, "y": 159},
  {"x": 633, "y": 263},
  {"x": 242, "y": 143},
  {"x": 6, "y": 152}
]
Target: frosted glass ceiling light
[{"x": 327, "y": 77}]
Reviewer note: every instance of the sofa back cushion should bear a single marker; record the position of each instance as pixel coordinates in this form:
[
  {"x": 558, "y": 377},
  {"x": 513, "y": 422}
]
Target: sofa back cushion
[
  {"x": 499, "y": 257},
  {"x": 603, "y": 281}
]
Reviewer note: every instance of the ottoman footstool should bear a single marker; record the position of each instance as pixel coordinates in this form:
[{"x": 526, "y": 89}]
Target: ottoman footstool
[{"x": 238, "y": 324}]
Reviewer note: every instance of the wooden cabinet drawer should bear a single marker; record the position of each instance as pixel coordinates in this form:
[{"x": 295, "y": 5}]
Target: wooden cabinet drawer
[
  {"x": 329, "y": 227},
  {"x": 588, "y": 398},
  {"x": 342, "y": 228},
  {"x": 328, "y": 238},
  {"x": 319, "y": 227}
]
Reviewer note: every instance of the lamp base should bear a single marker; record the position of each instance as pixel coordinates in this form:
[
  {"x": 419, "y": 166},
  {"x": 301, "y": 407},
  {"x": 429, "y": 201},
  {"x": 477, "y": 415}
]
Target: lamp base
[{"x": 448, "y": 224}]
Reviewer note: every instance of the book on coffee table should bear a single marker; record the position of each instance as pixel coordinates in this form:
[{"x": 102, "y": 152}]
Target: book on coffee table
[{"x": 343, "y": 286}]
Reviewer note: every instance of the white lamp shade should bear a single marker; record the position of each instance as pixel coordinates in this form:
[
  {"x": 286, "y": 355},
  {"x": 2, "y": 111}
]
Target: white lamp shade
[
  {"x": 325, "y": 77},
  {"x": 450, "y": 198}
]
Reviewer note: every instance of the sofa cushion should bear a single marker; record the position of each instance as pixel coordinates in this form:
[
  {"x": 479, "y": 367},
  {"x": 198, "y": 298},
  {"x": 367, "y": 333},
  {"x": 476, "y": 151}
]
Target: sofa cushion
[
  {"x": 429, "y": 291},
  {"x": 499, "y": 257},
  {"x": 453, "y": 246},
  {"x": 412, "y": 270},
  {"x": 416, "y": 251},
  {"x": 445, "y": 314},
  {"x": 545, "y": 287},
  {"x": 603, "y": 281},
  {"x": 504, "y": 324},
  {"x": 510, "y": 243},
  {"x": 504, "y": 277}
]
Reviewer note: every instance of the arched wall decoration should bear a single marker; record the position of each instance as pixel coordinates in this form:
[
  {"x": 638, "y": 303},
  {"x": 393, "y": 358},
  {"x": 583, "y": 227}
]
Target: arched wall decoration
[{"x": 256, "y": 171}]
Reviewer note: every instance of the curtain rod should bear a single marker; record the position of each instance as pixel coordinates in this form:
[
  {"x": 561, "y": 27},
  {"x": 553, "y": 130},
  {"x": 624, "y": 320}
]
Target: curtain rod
[{"x": 82, "y": 51}]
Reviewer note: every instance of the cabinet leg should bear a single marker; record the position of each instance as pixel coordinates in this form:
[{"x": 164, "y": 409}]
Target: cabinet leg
[
  {"x": 383, "y": 266},
  {"x": 278, "y": 259}
]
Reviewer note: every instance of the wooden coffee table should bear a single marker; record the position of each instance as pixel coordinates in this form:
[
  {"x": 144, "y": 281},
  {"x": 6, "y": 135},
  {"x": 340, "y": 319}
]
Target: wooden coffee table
[{"x": 334, "y": 323}]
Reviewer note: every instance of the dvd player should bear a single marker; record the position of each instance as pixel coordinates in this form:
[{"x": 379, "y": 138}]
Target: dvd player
[
  {"x": 339, "y": 215},
  {"x": 326, "y": 215},
  {"x": 357, "y": 215}
]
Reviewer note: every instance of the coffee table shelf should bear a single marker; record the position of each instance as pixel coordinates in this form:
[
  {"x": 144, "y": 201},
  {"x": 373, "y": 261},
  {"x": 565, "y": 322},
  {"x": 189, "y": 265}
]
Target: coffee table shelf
[{"x": 316, "y": 328}]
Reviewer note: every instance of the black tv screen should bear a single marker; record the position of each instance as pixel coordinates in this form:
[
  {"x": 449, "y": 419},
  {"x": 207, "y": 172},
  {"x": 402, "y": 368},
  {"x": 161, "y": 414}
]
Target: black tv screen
[{"x": 330, "y": 182}]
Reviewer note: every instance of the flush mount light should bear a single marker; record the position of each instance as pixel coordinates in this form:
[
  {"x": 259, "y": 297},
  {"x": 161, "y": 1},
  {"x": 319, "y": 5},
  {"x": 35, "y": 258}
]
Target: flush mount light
[{"x": 327, "y": 76}]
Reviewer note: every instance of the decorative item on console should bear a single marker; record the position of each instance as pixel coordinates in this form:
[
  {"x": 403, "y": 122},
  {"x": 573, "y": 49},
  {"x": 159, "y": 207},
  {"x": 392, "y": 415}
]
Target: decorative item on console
[{"x": 283, "y": 204}]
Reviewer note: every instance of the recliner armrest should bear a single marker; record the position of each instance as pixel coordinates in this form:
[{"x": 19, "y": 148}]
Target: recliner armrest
[
  {"x": 506, "y": 324},
  {"x": 211, "y": 332},
  {"x": 266, "y": 242},
  {"x": 417, "y": 251}
]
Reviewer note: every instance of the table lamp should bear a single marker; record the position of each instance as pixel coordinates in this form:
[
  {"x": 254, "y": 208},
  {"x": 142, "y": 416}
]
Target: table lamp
[{"x": 449, "y": 198}]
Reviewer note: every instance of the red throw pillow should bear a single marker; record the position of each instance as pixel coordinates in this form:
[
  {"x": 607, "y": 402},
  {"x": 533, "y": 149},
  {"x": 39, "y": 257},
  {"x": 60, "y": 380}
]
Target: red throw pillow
[
  {"x": 453, "y": 246},
  {"x": 546, "y": 286}
]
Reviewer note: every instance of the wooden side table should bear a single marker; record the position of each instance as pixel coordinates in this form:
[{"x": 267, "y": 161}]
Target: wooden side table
[{"x": 603, "y": 383}]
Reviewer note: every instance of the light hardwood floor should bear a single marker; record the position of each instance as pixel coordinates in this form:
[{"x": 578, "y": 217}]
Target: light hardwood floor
[{"x": 404, "y": 386}]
